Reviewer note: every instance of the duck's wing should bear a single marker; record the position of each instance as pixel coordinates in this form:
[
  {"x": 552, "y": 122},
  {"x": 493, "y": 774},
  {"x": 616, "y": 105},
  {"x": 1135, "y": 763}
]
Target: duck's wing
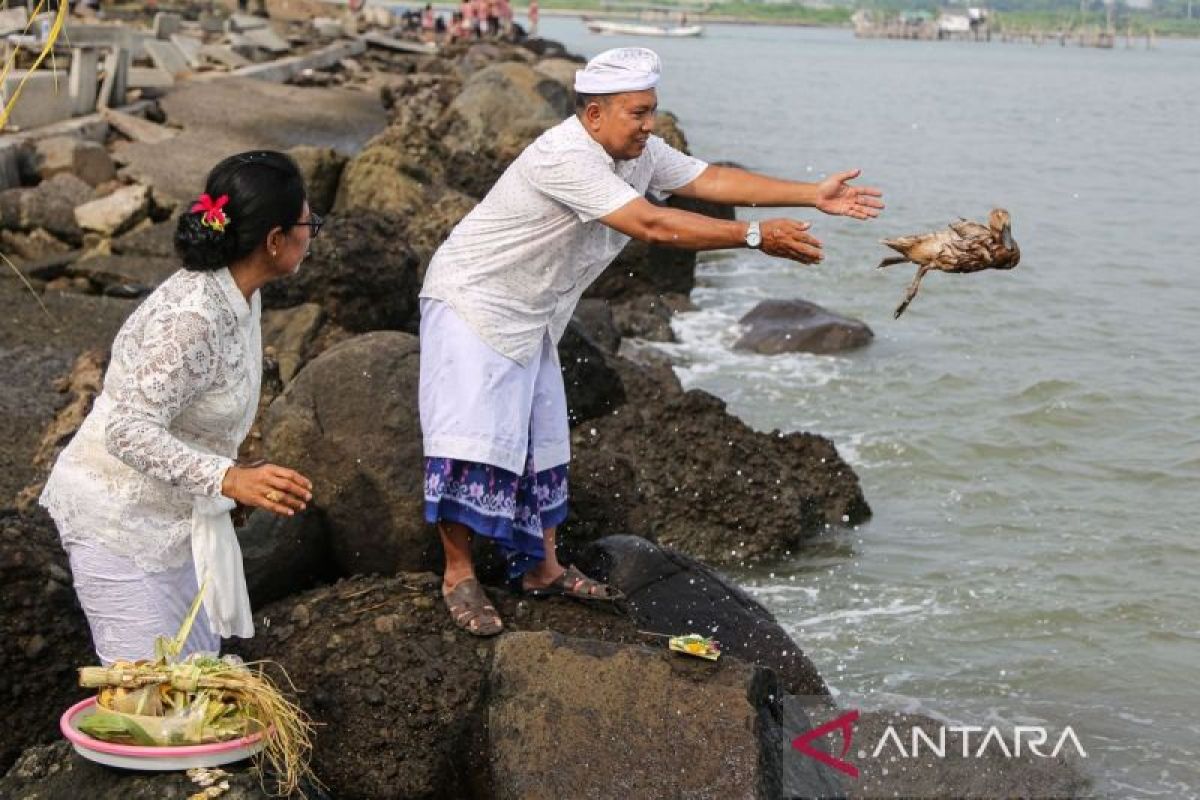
[
  {"x": 968, "y": 229},
  {"x": 922, "y": 248}
]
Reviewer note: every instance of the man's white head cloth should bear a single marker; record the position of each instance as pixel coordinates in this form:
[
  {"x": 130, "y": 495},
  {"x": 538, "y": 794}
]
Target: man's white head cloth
[{"x": 623, "y": 69}]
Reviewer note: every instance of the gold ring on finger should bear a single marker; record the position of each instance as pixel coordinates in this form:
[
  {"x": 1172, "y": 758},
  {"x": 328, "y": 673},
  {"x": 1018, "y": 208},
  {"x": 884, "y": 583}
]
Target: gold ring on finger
[{"x": 273, "y": 496}]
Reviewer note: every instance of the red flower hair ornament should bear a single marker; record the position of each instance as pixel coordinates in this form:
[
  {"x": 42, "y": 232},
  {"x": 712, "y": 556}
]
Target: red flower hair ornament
[{"x": 214, "y": 212}]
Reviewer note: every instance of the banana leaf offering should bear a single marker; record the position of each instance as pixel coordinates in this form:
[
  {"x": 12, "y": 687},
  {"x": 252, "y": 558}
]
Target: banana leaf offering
[
  {"x": 696, "y": 645},
  {"x": 196, "y": 700}
]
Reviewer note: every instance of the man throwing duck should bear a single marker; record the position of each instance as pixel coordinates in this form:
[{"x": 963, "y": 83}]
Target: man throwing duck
[{"x": 500, "y": 291}]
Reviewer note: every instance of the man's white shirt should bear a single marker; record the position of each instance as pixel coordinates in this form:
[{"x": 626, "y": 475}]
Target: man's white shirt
[{"x": 516, "y": 266}]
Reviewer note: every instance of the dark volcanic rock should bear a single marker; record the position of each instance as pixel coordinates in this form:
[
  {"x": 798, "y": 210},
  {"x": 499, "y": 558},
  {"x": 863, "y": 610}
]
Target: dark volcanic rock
[
  {"x": 322, "y": 169},
  {"x": 284, "y": 555},
  {"x": 43, "y": 632},
  {"x": 670, "y": 592},
  {"x": 789, "y": 326},
  {"x": 39, "y": 348},
  {"x": 702, "y": 481},
  {"x": 56, "y": 772},
  {"x": 646, "y": 723},
  {"x": 595, "y": 319},
  {"x": 593, "y": 387},
  {"x": 359, "y": 272},
  {"x": 349, "y": 422},
  {"x": 398, "y": 689}
]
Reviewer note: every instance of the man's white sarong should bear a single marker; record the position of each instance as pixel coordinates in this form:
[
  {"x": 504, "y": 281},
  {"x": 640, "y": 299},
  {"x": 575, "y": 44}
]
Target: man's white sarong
[{"x": 478, "y": 405}]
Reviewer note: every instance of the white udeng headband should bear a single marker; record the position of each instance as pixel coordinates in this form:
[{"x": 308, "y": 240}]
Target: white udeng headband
[{"x": 624, "y": 69}]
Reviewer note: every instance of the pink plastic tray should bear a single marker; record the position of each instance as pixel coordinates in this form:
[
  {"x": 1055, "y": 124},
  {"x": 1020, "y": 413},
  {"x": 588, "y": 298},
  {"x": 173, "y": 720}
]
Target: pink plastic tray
[{"x": 140, "y": 757}]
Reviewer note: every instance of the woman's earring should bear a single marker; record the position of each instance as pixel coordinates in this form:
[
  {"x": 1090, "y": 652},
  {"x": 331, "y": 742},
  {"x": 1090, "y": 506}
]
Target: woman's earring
[{"x": 274, "y": 253}]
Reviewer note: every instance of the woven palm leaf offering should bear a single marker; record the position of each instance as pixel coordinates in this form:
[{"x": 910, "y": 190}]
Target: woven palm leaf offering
[
  {"x": 171, "y": 702},
  {"x": 692, "y": 644}
]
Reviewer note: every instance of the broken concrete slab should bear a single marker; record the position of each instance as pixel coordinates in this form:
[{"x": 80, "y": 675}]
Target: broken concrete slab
[
  {"x": 45, "y": 99},
  {"x": 240, "y": 23},
  {"x": 224, "y": 55},
  {"x": 84, "y": 159},
  {"x": 108, "y": 35},
  {"x": 116, "y": 79},
  {"x": 266, "y": 39},
  {"x": 150, "y": 78},
  {"x": 376, "y": 39},
  {"x": 328, "y": 27},
  {"x": 116, "y": 213},
  {"x": 165, "y": 25},
  {"x": 138, "y": 129},
  {"x": 13, "y": 20},
  {"x": 189, "y": 46},
  {"x": 167, "y": 57},
  {"x": 83, "y": 79},
  {"x": 233, "y": 114},
  {"x": 284, "y": 69}
]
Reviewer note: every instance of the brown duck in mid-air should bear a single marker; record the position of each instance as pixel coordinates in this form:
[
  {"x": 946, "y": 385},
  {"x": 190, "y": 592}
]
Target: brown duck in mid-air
[{"x": 965, "y": 246}]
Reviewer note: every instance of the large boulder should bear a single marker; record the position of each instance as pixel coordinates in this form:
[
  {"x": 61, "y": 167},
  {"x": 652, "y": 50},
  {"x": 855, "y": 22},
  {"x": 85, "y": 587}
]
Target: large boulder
[
  {"x": 283, "y": 556},
  {"x": 593, "y": 387},
  {"x": 685, "y": 473},
  {"x": 49, "y": 205},
  {"x": 396, "y": 688},
  {"x": 669, "y": 592},
  {"x": 362, "y": 275},
  {"x": 798, "y": 326},
  {"x": 595, "y": 319},
  {"x": 349, "y": 422},
  {"x": 648, "y": 316},
  {"x": 322, "y": 169},
  {"x": 376, "y": 180},
  {"x": 645, "y": 722},
  {"x": 44, "y": 633},
  {"x": 289, "y": 334}
]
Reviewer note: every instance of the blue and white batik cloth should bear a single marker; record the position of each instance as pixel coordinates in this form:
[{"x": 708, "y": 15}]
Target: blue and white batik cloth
[{"x": 496, "y": 437}]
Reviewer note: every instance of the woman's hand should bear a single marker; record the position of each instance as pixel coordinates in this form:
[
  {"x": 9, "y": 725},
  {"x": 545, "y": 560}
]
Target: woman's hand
[
  {"x": 278, "y": 489},
  {"x": 788, "y": 238}
]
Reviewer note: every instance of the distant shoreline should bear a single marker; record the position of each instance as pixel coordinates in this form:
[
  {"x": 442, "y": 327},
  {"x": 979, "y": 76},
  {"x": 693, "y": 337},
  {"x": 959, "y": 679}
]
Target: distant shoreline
[{"x": 702, "y": 19}]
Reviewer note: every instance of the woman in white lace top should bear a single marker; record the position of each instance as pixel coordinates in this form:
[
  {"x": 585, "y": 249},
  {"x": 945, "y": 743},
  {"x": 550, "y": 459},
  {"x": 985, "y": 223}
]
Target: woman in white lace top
[{"x": 156, "y": 455}]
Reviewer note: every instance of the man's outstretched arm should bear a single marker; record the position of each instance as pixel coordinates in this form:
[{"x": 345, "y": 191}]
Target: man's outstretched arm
[
  {"x": 739, "y": 187},
  {"x": 639, "y": 219}
]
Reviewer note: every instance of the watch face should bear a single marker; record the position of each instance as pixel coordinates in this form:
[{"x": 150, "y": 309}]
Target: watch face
[{"x": 753, "y": 237}]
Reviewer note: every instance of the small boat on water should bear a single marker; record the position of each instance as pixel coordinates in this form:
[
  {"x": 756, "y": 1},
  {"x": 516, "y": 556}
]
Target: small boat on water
[{"x": 616, "y": 28}]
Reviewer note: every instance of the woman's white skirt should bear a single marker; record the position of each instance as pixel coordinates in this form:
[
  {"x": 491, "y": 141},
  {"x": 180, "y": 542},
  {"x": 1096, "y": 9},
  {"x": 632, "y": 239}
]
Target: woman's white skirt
[{"x": 128, "y": 608}]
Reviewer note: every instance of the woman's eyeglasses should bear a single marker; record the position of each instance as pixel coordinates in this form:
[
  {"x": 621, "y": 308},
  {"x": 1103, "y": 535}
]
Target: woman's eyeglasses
[{"x": 315, "y": 221}]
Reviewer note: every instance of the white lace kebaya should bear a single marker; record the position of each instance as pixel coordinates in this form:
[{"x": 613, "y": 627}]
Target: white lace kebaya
[{"x": 179, "y": 397}]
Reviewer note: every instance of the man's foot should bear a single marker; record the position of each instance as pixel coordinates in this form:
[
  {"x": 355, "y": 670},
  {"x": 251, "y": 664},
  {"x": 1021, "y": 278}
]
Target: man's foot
[
  {"x": 570, "y": 583},
  {"x": 470, "y": 608}
]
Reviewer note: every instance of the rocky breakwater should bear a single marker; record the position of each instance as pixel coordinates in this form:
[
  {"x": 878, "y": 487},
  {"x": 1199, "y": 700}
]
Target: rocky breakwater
[{"x": 571, "y": 700}]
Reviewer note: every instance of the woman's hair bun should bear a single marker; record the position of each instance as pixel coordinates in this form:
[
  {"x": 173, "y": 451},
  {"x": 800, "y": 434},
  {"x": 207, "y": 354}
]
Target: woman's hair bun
[{"x": 265, "y": 190}]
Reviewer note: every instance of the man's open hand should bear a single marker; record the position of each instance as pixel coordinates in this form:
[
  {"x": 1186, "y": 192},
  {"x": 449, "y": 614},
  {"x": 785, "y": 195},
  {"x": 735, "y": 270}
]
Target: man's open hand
[
  {"x": 836, "y": 196},
  {"x": 788, "y": 238}
]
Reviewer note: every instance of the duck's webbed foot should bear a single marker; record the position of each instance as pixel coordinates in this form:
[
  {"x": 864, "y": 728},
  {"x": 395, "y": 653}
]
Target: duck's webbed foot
[{"x": 912, "y": 291}]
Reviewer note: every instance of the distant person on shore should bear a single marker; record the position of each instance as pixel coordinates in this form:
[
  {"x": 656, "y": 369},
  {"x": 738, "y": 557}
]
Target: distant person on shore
[
  {"x": 533, "y": 18},
  {"x": 499, "y": 294},
  {"x": 427, "y": 23},
  {"x": 141, "y": 495}
]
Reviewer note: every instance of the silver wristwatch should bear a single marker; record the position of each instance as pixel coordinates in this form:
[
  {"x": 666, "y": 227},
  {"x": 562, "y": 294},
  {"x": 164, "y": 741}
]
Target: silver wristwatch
[{"x": 753, "y": 236}]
